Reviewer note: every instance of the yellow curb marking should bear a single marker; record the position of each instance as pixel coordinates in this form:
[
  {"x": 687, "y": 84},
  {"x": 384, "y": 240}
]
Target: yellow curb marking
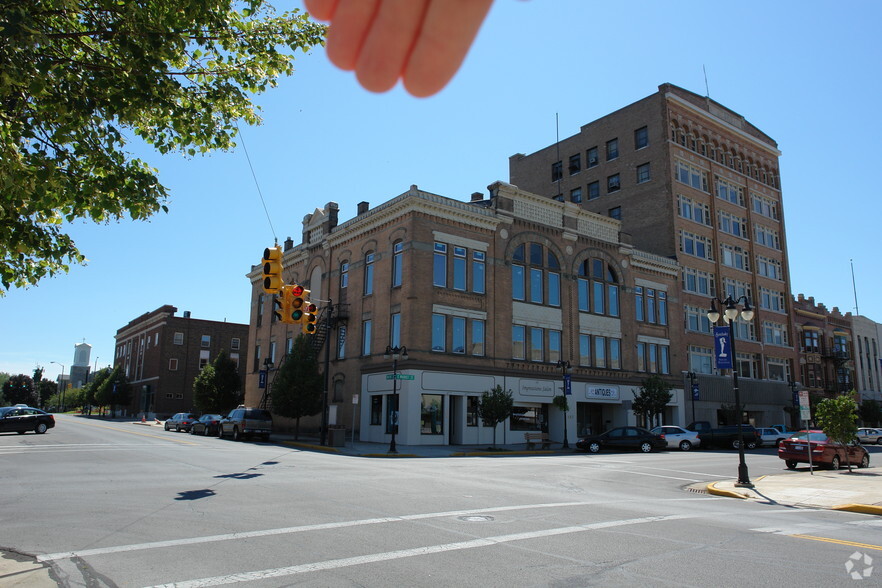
[{"x": 840, "y": 542}]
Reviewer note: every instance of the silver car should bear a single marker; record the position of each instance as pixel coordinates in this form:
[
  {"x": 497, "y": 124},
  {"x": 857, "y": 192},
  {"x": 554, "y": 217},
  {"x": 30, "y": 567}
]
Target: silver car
[
  {"x": 678, "y": 437},
  {"x": 868, "y": 436}
]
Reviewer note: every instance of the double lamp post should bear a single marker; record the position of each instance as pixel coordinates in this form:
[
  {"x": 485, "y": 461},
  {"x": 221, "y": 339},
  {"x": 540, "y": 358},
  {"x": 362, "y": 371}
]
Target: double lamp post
[{"x": 394, "y": 353}]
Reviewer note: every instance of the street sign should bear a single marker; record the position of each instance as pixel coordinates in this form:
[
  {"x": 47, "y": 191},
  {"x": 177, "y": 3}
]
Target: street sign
[
  {"x": 805, "y": 411},
  {"x": 722, "y": 348},
  {"x": 568, "y": 385},
  {"x": 695, "y": 393},
  {"x": 399, "y": 377},
  {"x": 261, "y": 380}
]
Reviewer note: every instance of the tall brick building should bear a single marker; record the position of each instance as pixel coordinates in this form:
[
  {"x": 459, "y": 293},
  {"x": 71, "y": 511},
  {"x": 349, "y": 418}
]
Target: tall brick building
[
  {"x": 161, "y": 354},
  {"x": 693, "y": 181}
]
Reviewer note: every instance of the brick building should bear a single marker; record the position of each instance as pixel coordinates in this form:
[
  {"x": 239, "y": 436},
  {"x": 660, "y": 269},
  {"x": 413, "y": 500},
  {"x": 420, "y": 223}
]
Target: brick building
[
  {"x": 161, "y": 354},
  {"x": 691, "y": 180},
  {"x": 868, "y": 370},
  {"x": 494, "y": 291},
  {"x": 826, "y": 347}
]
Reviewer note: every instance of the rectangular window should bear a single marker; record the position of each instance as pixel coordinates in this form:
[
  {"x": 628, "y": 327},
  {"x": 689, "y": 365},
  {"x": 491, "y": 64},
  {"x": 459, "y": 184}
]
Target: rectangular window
[
  {"x": 584, "y": 349},
  {"x": 477, "y": 337},
  {"x": 734, "y": 256},
  {"x": 774, "y": 333},
  {"x": 439, "y": 268},
  {"x": 518, "y": 285},
  {"x": 172, "y": 365},
  {"x": 613, "y": 184},
  {"x": 591, "y": 157},
  {"x": 368, "y": 274},
  {"x": 729, "y": 192},
  {"x": 699, "y": 282},
  {"x": 397, "y": 261},
  {"x": 257, "y": 358},
  {"x": 615, "y": 213},
  {"x": 556, "y": 171},
  {"x": 641, "y": 356},
  {"x": 662, "y": 308},
  {"x": 478, "y": 275},
  {"x": 696, "y": 319},
  {"x": 593, "y": 190},
  {"x": 700, "y": 360},
  {"x": 234, "y": 344},
  {"x": 344, "y": 275},
  {"x": 576, "y": 195},
  {"x": 771, "y": 300},
  {"x": 769, "y": 268},
  {"x": 439, "y": 332},
  {"x": 459, "y": 334},
  {"x": 537, "y": 344},
  {"x": 643, "y": 174},
  {"x": 206, "y": 341},
  {"x": 732, "y": 224},
  {"x": 553, "y": 289},
  {"x": 612, "y": 292},
  {"x": 696, "y": 245},
  {"x": 664, "y": 359},
  {"x": 575, "y": 163},
  {"x": 600, "y": 352},
  {"x": 691, "y": 176},
  {"x": 341, "y": 342},
  {"x": 778, "y": 369},
  {"x": 598, "y": 297},
  {"x": 432, "y": 414},
  {"x": 395, "y": 330},
  {"x": 641, "y": 138},
  {"x": 638, "y": 303},
  {"x": 652, "y": 358},
  {"x": 376, "y": 410},
  {"x": 615, "y": 354},
  {"x": 554, "y": 346},
  {"x": 179, "y": 338},
  {"x": 764, "y": 206},
  {"x": 612, "y": 149},
  {"x": 366, "y": 337},
  {"x": 536, "y": 286},
  {"x": 518, "y": 342},
  {"x": 472, "y": 404},
  {"x": 694, "y": 211},
  {"x": 582, "y": 287},
  {"x": 459, "y": 268},
  {"x": 766, "y": 236}
]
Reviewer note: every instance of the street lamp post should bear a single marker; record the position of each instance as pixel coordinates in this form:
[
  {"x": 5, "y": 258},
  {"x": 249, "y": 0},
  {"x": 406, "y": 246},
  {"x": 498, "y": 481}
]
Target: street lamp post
[
  {"x": 394, "y": 353},
  {"x": 730, "y": 313},
  {"x": 564, "y": 366},
  {"x": 63, "y": 383},
  {"x": 692, "y": 376}
]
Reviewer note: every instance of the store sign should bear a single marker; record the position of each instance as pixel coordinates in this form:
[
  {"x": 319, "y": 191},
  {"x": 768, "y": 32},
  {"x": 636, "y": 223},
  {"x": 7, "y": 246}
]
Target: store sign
[{"x": 602, "y": 392}]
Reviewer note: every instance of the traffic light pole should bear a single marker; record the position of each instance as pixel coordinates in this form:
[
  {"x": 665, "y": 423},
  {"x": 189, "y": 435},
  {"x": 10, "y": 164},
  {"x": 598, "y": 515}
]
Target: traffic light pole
[{"x": 329, "y": 320}]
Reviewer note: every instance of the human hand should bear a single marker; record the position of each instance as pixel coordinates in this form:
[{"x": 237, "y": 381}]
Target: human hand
[{"x": 423, "y": 42}]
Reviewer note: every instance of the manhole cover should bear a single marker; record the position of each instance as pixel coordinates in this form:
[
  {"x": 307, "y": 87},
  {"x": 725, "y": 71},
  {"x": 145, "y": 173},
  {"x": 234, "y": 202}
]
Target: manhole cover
[{"x": 476, "y": 518}]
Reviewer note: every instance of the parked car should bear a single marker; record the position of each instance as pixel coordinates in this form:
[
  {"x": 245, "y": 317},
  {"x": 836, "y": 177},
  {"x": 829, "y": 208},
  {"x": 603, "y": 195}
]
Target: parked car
[
  {"x": 824, "y": 451},
  {"x": 783, "y": 429},
  {"x": 206, "y": 425},
  {"x": 771, "y": 437},
  {"x": 22, "y": 419},
  {"x": 180, "y": 422},
  {"x": 623, "y": 438},
  {"x": 678, "y": 437},
  {"x": 867, "y": 435},
  {"x": 728, "y": 437},
  {"x": 244, "y": 423}
]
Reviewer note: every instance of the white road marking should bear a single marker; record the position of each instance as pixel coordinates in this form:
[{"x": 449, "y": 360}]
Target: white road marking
[{"x": 403, "y": 553}]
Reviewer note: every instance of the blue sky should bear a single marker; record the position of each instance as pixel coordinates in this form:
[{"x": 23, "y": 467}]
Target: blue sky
[{"x": 806, "y": 73}]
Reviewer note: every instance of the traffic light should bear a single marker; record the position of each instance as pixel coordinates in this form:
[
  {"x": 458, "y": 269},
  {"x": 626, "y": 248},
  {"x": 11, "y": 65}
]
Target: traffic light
[
  {"x": 272, "y": 270},
  {"x": 309, "y": 314},
  {"x": 282, "y": 304},
  {"x": 297, "y": 303}
]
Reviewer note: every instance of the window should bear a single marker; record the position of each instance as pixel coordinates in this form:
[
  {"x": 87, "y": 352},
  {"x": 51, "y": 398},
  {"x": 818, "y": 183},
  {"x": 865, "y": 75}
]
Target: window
[
  {"x": 811, "y": 341},
  {"x": 732, "y": 224},
  {"x": 576, "y": 195},
  {"x": 593, "y": 190},
  {"x": 600, "y": 352},
  {"x": 376, "y": 410},
  {"x": 643, "y": 174},
  {"x": 777, "y": 369},
  {"x": 612, "y": 149},
  {"x": 477, "y": 337},
  {"x": 368, "y": 274},
  {"x": 774, "y": 333},
  {"x": 432, "y": 414},
  {"x": 206, "y": 341},
  {"x": 597, "y": 287},
  {"x": 203, "y": 357},
  {"x": 638, "y": 304},
  {"x": 459, "y": 334},
  {"x": 691, "y": 176},
  {"x": 542, "y": 280},
  {"x": 730, "y": 192},
  {"x": 172, "y": 365},
  {"x": 257, "y": 358},
  {"x": 260, "y": 300},
  {"x": 556, "y": 171},
  {"x": 439, "y": 332},
  {"x": 734, "y": 256},
  {"x": 699, "y": 282},
  {"x": 766, "y": 236},
  {"x": 554, "y": 346},
  {"x": 692, "y": 244},
  {"x": 769, "y": 268},
  {"x": 747, "y": 365},
  {"x": 439, "y": 269},
  {"x": 472, "y": 404},
  {"x": 613, "y": 184},
  {"x": 518, "y": 286},
  {"x": 662, "y": 307},
  {"x": 664, "y": 359},
  {"x": 395, "y": 330},
  {"x": 615, "y": 213},
  {"x": 764, "y": 206},
  {"x": 772, "y": 300},
  {"x": 537, "y": 344},
  {"x": 700, "y": 360},
  {"x": 179, "y": 338},
  {"x": 366, "y": 337},
  {"x": 584, "y": 349},
  {"x": 615, "y": 354},
  {"x": 459, "y": 268},
  {"x": 478, "y": 279},
  {"x": 591, "y": 158},
  {"x": 641, "y": 138},
  {"x": 344, "y": 275},
  {"x": 575, "y": 163},
  {"x": 234, "y": 344},
  {"x": 397, "y": 249},
  {"x": 694, "y": 211},
  {"x": 641, "y": 356},
  {"x": 696, "y": 319},
  {"x": 736, "y": 289},
  {"x": 518, "y": 342},
  {"x": 341, "y": 342}
]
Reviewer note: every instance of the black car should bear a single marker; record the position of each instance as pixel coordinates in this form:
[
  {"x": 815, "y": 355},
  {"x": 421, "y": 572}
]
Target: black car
[
  {"x": 180, "y": 422},
  {"x": 22, "y": 419},
  {"x": 206, "y": 425},
  {"x": 623, "y": 438}
]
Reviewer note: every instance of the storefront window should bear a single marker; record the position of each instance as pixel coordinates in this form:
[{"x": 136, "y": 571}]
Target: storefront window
[
  {"x": 531, "y": 417},
  {"x": 431, "y": 414},
  {"x": 392, "y": 413}
]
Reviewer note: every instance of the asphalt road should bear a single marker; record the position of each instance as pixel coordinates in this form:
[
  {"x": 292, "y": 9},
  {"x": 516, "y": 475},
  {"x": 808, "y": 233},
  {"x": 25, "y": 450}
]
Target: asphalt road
[{"x": 116, "y": 504}]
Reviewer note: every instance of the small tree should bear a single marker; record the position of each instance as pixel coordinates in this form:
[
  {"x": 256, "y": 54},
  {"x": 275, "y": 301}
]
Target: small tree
[
  {"x": 19, "y": 389},
  {"x": 655, "y": 393},
  {"x": 297, "y": 387},
  {"x": 838, "y": 418},
  {"x": 114, "y": 390},
  {"x": 218, "y": 386},
  {"x": 495, "y": 406},
  {"x": 90, "y": 390}
]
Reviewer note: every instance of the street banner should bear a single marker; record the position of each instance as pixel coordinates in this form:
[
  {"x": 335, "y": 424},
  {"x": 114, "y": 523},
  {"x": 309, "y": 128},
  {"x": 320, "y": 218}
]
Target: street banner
[{"x": 722, "y": 348}]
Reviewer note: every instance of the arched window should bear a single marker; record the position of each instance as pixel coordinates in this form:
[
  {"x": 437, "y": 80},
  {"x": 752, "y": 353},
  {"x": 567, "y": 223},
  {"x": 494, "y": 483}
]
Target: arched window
[
  {"x": 535, "y": 275},
  {"x": 344, "y": 274},
  {"x": 369, "y": 273},
  {"x": 598, "y": 287}
]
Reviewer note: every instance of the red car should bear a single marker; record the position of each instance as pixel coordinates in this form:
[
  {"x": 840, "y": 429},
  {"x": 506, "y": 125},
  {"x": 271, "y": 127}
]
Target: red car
[{"x": 824, "y": 451}]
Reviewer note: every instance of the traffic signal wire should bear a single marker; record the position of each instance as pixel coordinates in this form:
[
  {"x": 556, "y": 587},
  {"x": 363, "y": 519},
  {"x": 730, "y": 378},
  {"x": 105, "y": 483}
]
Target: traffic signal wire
[{"x": 257, "y": 184}]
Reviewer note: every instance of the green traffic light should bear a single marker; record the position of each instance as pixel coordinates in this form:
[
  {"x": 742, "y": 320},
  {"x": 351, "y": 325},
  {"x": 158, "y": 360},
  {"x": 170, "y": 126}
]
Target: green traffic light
[{"x": 296, "y": 315}]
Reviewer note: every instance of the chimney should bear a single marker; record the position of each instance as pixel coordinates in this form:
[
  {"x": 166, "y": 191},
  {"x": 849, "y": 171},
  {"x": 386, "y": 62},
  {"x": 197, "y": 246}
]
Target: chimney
[
  {"x": 289, "y": 243},
  {"x": 363, "y": 207},
  {"x": 477, "y": 196}
]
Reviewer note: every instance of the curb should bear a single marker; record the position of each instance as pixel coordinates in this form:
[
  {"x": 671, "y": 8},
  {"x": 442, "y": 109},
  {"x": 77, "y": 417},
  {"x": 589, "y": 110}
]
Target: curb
[
  {"x": 712, "y": 489},
  {"x": 860, "y": 508}
]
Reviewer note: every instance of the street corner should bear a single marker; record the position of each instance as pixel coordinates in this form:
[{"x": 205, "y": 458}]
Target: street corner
[
  {"x": 23, "y": 570},
  {"x": 728, "y": 489}
]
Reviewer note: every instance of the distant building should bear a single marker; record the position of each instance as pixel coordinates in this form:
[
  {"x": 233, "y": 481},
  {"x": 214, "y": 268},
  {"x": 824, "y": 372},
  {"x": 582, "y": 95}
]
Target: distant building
[
  {"x": 826, "y": 347},
  {"x": 161, "y": 354},
  {"x": 868, "y": 370},
  {"x": 79, "y": 370}
]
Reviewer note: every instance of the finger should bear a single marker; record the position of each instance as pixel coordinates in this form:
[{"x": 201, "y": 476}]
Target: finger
[
  {"x": 389, "y": 43},
  {"x": 448, "y": 30},
  {"x": 321, "y": 9},
  {"x": 352, "y": 21}
]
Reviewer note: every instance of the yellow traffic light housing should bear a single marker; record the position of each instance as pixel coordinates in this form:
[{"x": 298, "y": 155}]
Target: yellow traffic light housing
[
  {"x": 309, "y": 315},
  {"x": 282, "y": 305},
  {"x": 272, "y": 270},
  {"x": 297, "y": 303}
]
